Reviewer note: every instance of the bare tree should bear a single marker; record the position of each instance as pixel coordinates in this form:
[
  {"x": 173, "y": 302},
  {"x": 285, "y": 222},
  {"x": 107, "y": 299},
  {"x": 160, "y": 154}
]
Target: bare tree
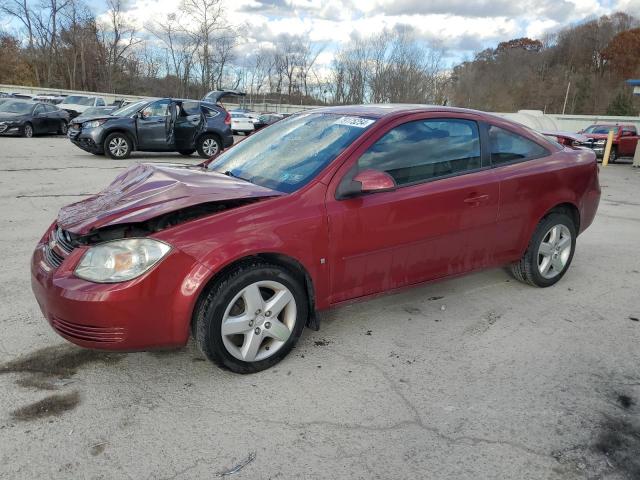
[{"x": 119, "y": 38}]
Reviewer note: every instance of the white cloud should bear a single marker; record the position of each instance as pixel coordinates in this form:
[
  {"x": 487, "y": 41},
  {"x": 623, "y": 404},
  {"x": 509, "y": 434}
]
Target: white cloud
[{"x": 462, "y": 26}]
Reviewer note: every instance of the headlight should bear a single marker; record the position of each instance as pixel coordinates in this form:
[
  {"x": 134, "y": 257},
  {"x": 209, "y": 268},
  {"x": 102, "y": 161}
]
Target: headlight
[
  {"x": 600, "y": 142},
  {"x": 120, "y": 260},
  {"x": 93, "y": 123}
]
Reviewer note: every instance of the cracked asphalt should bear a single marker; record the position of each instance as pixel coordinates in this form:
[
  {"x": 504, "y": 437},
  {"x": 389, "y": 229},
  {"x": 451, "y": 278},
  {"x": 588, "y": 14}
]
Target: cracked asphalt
[{"x": 478, "y": 377}]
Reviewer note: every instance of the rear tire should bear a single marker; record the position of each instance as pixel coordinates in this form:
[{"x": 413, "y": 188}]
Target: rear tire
[
  {"x": 253, "y": 337},
  {"x": 208, "y": 146},
  {"x": 549, "y": 253},
  {"x": 117, "y": 146},
  {"x": 64, "y": 128}
]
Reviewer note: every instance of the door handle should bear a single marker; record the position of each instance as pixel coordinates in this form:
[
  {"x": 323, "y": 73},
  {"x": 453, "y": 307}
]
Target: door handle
[{"x": 476, "y": 199}]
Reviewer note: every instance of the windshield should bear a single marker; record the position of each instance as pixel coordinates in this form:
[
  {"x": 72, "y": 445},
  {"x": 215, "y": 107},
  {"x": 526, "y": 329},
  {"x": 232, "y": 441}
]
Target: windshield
[
  {"x": 287, "y": 155},
  {"x": 129, "y": 109},
  {"x": 601, "y": 129},
  {"x": 16, "y": 107},
  {"x": 78, "y": 100}
]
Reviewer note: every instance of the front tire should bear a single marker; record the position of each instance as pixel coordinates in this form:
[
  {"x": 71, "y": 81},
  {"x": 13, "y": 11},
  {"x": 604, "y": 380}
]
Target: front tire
[
  {"x": 613, "y": 155},
  {"x": 27, "y": 130},
  {"x": 208, "y": 146},
  {"x": 549, "y": 253},
  {"x": 117, "y": 146},
  {"x": 251, "y": 319}
]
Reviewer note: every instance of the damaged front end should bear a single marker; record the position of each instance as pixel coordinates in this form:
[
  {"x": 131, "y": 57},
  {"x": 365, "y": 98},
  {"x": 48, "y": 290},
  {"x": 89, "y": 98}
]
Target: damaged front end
[
  {"x": 156, "y": 224},
  {"x": 143, "y": 200}
]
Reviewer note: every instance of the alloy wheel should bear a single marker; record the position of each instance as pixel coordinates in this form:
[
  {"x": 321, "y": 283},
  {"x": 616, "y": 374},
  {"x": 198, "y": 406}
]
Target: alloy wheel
[
  {"x": 554, "y": 251},
  {"x": 258, "y": 321},
  {"x": 210, "y": 147},
  {"x": 118, "y": 146},
  {"x": 64, "y": 128},
  {"x": 28, "y": 131}
]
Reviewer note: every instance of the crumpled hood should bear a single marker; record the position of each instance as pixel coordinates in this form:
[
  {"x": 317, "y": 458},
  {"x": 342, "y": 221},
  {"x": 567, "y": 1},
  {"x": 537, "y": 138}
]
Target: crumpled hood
[
  {"x": 89, "y": 118},
  {"x": 146, "y": 191}
]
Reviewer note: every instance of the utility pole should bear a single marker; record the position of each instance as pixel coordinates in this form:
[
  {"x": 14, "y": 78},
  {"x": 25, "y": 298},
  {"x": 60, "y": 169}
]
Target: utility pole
[{"x": 566, "y": 97}]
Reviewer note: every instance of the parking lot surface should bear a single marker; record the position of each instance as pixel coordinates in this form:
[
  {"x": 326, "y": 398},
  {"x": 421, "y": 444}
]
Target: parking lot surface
[{"x": 478, "y": 377}]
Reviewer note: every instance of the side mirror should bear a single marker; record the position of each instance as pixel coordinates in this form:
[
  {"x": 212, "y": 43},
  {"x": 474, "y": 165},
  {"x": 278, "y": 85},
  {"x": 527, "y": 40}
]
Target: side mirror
[{"x": 368, "y": 181}]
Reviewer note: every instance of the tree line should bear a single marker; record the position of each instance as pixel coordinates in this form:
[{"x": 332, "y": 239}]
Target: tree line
[
  {"x": 61, "y": 44},
  {"x": 579, "y": 70}
]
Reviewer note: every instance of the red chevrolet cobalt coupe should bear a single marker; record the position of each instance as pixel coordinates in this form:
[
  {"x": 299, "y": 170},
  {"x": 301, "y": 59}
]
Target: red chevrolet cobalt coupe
[{"x": 319, "y": 209}]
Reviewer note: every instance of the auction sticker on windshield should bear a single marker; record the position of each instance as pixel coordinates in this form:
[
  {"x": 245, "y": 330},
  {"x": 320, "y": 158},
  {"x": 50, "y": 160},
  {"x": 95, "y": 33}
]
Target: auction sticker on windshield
[{"x": 354, "y": 122}]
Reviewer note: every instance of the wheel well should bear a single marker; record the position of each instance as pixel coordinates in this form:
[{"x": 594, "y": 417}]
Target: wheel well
[
  {"x": 569, "y": 209},
  {"x": 290, "y": 264},
  {"x": 125, "y": 133},
  {"x": 213, "y": 134}
]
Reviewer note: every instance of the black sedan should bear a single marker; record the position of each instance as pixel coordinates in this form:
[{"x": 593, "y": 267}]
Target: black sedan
[
  {"x": 28, "y": 118},
  {"x": 164, "y": 125}
]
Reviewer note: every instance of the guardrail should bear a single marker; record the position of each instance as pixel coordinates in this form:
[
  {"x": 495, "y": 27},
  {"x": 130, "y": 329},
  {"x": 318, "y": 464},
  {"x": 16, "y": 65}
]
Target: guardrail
[{"x": 535, "y": 119}]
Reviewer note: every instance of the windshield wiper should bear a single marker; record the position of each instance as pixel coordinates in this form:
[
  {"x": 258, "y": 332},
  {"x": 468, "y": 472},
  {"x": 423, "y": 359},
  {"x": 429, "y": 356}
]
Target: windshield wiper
[{"x": 229, "y": 173}]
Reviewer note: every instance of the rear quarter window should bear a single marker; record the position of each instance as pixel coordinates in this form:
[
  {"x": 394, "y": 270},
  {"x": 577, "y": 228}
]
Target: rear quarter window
[
  {"x": 210, "y": 112},
  {"x": 506, "y": 146}
]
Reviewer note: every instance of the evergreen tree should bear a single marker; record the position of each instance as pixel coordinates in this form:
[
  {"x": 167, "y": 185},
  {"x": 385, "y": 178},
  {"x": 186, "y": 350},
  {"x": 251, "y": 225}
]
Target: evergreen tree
[{"x": 622, "y": 105}]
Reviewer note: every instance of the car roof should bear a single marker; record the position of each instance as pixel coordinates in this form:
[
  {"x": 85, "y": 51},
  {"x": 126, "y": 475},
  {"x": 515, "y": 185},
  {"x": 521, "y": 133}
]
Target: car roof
[
  {"x": 612, "y": 125},
  {"x": 390, "y": 109}
]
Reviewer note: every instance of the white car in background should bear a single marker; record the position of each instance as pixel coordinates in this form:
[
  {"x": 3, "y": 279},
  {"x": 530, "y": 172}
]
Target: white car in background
[
  {"x": 241, "y": 123},
  {"x": 77, "y": 104}
]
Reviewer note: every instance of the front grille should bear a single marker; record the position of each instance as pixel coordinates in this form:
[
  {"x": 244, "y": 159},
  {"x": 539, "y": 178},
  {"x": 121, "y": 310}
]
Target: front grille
[
  {"x": 88, "y": 333},
  {"x": 59, "y": 246},
  {"x": 64, "y": 240},
  {"x": 52, "y": 257}
]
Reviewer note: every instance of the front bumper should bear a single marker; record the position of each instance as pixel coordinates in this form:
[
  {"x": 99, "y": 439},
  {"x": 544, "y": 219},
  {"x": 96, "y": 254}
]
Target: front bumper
[
  {"x": 89, "y": 140},
  {"x": 10, "y": 127},
  {"x": 598, "y": 149},
  {"x": 151, "y": 311}
]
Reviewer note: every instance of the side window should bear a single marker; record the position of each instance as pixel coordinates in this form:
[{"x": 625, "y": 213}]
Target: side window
[
  {"x": 157, "y": 109},
  {"x": 39, "y": 109},
  {"x": 191, "y": 108},
  {"x": 507, "y": 146},
  {"x": 100, "y": 102},
  {"x": 425, "y": 149},
  {"x": 50, "y": 108}
]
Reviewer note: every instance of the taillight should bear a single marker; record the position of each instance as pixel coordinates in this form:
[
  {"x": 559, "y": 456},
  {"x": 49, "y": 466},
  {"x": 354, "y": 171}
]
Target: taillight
[{"x": 227, "y": 119}]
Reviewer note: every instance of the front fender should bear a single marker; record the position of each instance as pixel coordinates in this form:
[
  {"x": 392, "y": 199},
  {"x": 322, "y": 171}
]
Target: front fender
[{"x": 293, "y": 226}]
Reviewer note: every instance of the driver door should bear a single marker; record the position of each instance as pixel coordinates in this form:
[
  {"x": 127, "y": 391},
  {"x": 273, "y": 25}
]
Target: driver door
[
  {"x": 152, "y": 124},
  {"x": 627, "y": 143},
  {"x": 440, "y": 220}
]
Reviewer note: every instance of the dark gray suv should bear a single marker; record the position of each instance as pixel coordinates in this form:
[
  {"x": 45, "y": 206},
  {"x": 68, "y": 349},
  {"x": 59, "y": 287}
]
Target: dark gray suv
[{"x": 163, "y": 125}]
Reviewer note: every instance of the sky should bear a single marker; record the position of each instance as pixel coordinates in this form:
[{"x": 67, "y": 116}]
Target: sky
[{"x": 461, "y": 27}]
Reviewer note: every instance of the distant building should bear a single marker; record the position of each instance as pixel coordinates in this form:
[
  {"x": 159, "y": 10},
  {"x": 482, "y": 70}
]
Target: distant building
[{"x": 636, "y": 86}]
